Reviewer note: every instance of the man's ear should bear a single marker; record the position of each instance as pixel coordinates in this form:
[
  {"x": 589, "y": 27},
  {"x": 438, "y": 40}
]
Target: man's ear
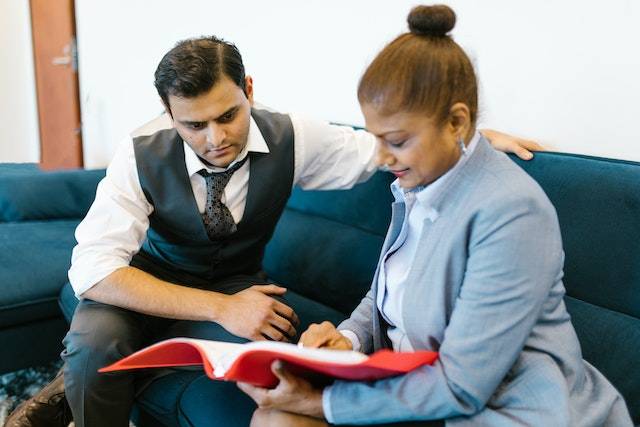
[
  {"x": 248, "y": 89},
  {"x": 459, "y": 120}
]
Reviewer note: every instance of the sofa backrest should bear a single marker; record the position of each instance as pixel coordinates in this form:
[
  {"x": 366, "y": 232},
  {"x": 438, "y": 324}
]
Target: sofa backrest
[
  {"x": 598, "y": 205},
  {"x": 29, "y": 194},
  {"x": 39, "y": 212},
  {"x": 327, "y": 242}
]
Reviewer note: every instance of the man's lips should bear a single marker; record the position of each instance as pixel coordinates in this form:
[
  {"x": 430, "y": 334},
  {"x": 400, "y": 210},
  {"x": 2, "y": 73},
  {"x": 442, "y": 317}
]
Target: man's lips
[{"x": 218, "y": 151}]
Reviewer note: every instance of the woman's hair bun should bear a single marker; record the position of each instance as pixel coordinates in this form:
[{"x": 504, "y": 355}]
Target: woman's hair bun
[{"x": 436, "y": 20}]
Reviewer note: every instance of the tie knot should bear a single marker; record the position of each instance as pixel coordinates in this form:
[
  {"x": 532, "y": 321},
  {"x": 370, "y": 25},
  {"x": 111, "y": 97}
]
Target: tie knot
[
  {"x": 224, "y": 174},
  {"x": 218, "y": 220}
]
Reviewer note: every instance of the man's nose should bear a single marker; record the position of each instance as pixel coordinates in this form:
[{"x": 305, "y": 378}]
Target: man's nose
[{"x": 215, "y": 135}]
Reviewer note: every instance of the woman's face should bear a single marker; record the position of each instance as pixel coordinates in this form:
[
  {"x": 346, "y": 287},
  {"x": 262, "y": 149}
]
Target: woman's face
[{"x": 414, "y": 148}]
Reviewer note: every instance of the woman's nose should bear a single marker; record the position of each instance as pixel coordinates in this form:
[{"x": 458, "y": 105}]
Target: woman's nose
[{"x": 383, "y": 157}]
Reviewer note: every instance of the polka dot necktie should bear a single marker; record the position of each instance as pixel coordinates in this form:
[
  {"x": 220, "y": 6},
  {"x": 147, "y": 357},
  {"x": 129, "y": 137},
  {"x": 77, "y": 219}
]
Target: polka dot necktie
[{"x": 217, "y": 218}]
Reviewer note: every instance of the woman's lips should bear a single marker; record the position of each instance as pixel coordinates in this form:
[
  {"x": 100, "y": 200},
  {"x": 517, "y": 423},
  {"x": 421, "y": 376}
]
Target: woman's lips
[{"x": 400, "y": 173}]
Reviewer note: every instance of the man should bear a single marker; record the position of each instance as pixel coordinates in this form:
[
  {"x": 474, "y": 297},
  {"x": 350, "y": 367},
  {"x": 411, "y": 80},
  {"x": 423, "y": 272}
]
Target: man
[{"x": 173, "y": 243}]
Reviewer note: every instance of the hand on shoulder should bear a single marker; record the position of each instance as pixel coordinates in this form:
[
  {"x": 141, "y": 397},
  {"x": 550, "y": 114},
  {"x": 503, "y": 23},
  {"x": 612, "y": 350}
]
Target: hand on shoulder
[{"x": 512, "y": 144}]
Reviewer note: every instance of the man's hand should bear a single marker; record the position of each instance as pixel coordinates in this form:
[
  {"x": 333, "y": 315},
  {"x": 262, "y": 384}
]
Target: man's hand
[
  {"x": 292, "y": 394},
  {"x": 325, "y": 335},
  {"x": 253, "y": 314},
  {"x": 510, "y": 144}
]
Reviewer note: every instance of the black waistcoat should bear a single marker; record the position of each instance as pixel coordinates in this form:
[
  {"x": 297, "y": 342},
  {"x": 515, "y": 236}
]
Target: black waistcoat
[{"x": 177, "y": 248}]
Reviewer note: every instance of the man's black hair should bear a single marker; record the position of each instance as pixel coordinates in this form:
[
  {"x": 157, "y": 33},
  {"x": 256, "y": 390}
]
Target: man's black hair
[{"x": 195, "y": 65}]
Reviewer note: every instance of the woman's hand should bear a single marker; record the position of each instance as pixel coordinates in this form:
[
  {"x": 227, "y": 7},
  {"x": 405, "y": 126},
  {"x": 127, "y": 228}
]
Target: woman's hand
[
  {"x": 510, "y": 144},
  {"x": 324, "y": 335},
  {"x": 293, "y": 394}
]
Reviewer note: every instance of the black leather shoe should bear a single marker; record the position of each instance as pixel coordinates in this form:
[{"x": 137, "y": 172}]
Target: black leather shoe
[{"x": 48, "y": 408}]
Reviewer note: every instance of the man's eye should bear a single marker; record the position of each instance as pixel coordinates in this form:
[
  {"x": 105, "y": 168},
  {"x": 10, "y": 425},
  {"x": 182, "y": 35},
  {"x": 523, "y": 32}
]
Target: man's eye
[
  {"x": 227, "y": 117},
  {"x": 196, "y": 126}
]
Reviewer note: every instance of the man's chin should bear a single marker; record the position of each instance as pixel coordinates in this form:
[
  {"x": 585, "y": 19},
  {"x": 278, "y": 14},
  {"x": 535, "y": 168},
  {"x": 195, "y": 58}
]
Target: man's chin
[{"x": 219, "y": 161}]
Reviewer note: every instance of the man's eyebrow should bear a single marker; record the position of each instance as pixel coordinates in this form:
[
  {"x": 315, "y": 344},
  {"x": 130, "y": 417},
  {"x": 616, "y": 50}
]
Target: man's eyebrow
[
  {"x": 229, "y": 111},
  {"x": 197, "y": 122},
  {"x": 190, "y": 122}
]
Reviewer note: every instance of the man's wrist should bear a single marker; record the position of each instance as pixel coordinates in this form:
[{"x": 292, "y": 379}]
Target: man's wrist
[{"x": 216, "y": 307}]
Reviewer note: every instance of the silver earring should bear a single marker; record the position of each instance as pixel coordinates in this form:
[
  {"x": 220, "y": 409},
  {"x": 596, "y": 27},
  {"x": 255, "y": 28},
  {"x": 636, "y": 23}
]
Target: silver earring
[{"x": 463, "y": 148}]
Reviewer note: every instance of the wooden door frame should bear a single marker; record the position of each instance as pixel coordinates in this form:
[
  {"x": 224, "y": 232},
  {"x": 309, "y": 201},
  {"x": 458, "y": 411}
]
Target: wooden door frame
[{"x": 57, "y": 85}]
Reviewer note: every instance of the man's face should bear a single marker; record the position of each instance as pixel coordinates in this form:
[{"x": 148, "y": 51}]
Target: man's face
[{"x": 215, "y": 124}]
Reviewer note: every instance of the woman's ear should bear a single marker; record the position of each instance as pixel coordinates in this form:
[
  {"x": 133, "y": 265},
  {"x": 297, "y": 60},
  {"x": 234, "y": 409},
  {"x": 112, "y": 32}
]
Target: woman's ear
[{"x": 459, "y": 120}]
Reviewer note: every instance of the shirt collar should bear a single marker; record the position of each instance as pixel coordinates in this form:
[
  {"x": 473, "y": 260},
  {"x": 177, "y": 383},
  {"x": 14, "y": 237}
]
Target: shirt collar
[
  {"x": 255, "y": 144},
  {"x": 426, "y": 195}
]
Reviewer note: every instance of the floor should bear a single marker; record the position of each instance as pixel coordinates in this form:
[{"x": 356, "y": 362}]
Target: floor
[{"x": 20, "y": 385}]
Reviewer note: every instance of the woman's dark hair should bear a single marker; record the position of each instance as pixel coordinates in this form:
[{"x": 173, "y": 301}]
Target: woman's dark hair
[
  {"x": 194, "y": 66},
  {"x": 422, "y": 70}
]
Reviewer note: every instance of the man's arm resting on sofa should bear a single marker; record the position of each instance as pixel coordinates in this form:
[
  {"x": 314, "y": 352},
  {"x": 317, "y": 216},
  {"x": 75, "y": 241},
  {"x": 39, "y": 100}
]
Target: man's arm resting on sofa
[
  {"x": 251, "y": 313},
  {"x": 511, "y": 144}
]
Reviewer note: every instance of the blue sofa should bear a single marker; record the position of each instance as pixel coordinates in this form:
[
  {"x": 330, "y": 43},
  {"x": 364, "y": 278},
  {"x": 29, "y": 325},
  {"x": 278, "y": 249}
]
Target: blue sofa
[{"x": 324, "y": 250}]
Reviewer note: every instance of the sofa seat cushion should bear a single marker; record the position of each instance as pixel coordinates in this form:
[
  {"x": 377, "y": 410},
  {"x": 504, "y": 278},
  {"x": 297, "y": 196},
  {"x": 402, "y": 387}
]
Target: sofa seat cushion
[
  {"x": 214, "y": 404},
  {"x": 610, "y": 341},
  {"x": 34, "y": 260},
  {"x": 67, "y": 301}
]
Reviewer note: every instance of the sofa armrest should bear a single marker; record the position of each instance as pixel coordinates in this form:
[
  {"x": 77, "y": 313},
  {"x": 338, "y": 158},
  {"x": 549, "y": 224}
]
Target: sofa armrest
[{"x": 31, "y": 194}]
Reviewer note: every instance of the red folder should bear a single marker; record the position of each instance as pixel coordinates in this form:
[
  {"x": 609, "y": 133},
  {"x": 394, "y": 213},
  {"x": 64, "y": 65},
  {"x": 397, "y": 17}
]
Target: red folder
[{"x": 251, "y": 362}]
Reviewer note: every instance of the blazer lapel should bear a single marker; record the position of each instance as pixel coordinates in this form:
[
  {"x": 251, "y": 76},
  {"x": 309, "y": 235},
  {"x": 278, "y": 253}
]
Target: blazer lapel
[
  {"x": 395, "y": 226},
  {"x": 449, "y": 204}
]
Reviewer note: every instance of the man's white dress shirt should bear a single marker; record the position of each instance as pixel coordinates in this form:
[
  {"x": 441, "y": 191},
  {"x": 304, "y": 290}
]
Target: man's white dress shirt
[{"x": 325, "y": 157}]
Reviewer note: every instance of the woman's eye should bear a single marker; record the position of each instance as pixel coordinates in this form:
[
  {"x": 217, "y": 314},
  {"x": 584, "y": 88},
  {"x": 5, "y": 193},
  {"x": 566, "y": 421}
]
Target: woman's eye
[{"x": 398, "y": 143}]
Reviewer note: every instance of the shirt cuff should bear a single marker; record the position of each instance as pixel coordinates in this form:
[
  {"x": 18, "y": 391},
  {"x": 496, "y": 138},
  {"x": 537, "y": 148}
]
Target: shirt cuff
[
  {"x": 326, "y": 404},
  {"x": 82, "y": 279},
  {"x": 351, "y": 336}
]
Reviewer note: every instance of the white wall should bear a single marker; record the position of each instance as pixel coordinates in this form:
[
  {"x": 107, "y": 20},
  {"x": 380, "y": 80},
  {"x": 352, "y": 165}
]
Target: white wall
[
  {"x": 564, "y": 73},
  {"x": 19, "y": 139}
]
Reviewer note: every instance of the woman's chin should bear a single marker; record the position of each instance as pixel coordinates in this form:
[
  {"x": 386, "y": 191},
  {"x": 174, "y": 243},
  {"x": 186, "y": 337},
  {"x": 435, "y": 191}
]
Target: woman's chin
[{"x": 406, "y": 183}]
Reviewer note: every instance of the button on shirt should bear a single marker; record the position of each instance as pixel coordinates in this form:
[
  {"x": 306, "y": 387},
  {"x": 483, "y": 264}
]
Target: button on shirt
[{"x": 325, "y": 157}]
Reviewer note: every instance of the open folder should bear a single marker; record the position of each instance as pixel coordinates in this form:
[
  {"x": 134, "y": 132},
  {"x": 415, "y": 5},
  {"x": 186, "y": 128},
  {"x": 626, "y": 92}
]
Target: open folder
[{"x": 251, "y": 362}]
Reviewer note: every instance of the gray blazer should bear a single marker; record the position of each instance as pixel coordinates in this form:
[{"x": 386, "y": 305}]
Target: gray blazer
[{"x": 485, "y": 290}]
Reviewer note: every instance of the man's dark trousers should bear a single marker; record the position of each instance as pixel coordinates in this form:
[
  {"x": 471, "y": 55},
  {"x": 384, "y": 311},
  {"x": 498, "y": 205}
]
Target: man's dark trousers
[{"x": 101, "y": 334}]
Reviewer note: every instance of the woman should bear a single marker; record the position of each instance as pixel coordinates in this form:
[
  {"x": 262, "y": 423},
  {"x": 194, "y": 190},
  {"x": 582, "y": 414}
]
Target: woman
[{"x": 471, "y": 267}]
